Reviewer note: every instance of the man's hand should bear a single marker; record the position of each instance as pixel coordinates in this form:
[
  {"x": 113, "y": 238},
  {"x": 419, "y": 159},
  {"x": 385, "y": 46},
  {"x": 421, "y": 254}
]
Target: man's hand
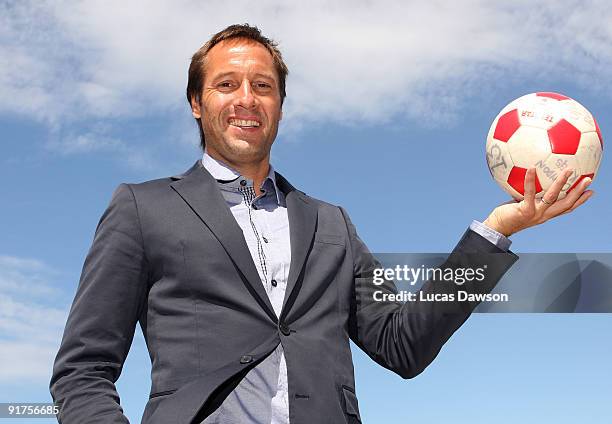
[{"x": 514, "y": 216}]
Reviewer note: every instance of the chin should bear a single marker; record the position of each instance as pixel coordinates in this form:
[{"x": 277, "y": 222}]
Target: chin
[{"x": 248, "y": 149}]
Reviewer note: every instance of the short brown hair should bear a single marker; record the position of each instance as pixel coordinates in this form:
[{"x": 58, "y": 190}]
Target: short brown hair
[{"x": 195, "y": 82}]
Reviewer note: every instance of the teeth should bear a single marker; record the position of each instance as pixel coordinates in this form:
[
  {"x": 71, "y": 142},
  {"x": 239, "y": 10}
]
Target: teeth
[{"x": 243, "y": 123}]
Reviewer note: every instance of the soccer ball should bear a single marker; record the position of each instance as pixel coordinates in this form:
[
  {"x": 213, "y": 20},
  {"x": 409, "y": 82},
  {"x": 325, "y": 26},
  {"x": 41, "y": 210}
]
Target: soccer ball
[{"x": 546, "y": 131}]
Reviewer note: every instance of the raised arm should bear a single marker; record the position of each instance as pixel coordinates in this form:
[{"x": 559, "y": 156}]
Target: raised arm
[{"x": 406, "y": 337}]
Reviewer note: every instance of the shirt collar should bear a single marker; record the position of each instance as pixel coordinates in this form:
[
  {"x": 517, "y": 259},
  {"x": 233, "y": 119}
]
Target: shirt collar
[{"x": 223, "y": 173}]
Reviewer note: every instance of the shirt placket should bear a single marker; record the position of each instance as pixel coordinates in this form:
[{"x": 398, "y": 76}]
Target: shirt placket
[{"x": 249, "y": 196}]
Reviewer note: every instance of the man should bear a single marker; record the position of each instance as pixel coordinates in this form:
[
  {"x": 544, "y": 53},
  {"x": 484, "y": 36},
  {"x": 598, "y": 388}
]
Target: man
[{"x": 248, "y": 290}]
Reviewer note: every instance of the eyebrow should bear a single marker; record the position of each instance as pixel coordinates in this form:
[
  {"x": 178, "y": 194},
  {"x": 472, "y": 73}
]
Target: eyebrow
[
  {"x": 257, "y": 75},
  {"x": 267, "y": 76}
]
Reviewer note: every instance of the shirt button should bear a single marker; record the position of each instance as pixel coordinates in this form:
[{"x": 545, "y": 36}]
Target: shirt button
[
  {"x": 246, "y": 359},
  {"x": 243, "y": 183},
  {"x": 274, "y": 283},
  {"x": 284, "y": 328},
  {"x": 264, "y": 239}
]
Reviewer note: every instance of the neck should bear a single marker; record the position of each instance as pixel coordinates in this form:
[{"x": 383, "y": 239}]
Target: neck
[{"x": 256, "y": 170}]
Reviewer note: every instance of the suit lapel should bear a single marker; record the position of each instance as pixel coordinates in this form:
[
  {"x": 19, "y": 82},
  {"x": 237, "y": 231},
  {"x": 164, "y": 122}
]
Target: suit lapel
[
  {"x": 302, "y": 213},
  {"x": 199, "y": 190}
]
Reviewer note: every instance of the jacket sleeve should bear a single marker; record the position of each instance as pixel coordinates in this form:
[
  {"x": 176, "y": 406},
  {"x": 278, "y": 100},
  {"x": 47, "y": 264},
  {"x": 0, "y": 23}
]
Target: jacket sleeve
[
  {"x": 100, "y": 326},
  {"x": 406, "y": 337}
]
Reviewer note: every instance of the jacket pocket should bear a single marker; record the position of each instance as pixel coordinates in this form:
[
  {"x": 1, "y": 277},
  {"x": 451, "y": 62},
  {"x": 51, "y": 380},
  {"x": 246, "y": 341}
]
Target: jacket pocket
[
  {"x": 349, "y": 403},
  {"x": 329, "y": 239},
  {"x": 164, "y": 393}
]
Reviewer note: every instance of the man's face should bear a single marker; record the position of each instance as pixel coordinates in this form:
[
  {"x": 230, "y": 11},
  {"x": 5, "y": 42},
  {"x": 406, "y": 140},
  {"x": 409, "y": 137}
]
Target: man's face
[{"x": 240, "y": 105}]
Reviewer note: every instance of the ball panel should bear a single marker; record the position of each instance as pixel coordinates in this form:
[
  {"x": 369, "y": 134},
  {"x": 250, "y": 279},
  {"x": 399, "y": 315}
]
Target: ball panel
[
  {"x": 528, "y": 145},
  {"x": 510, "y": 190},
  {"x": 598, "y": 132},
  {"x": 582, "y": 177},
  {"x": 550, "y": 168},
  {"x": 516, "y": 179},
  {"x": 538, "y": 186},
  {"x": 539, "y": 112},
  {"x": 577, "y": 115},
  {"x": 509, "y": 107},
  {"x": 552, "y": 95},
  {"x": 491, "y": 132},
  {"x": 507, "y": 124},
  {"x": 564, "y": 138},
  {"x": 498, "y": 160},
  {"x": 589, "y": 153}
]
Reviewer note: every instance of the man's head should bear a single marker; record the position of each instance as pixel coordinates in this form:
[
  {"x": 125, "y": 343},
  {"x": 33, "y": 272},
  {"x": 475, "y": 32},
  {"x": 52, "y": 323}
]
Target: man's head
[{"x": 236, "y": 89}]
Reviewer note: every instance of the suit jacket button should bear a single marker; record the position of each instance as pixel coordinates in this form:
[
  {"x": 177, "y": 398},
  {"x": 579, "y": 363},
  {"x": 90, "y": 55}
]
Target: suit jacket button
[
  {"x": 284, "y": 328},
  {"x": 246, "y": 359}
]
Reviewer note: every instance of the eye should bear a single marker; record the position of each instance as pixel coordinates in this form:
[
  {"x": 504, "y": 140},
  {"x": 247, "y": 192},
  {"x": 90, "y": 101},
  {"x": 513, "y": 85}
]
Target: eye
[
  {"x": 262, "y": 87},
  {"x": 225, "y": 85}
]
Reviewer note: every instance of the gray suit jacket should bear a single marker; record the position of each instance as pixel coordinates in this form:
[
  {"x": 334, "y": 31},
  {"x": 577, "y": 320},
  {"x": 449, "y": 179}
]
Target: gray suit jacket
[{"x": 169, "y": 255}]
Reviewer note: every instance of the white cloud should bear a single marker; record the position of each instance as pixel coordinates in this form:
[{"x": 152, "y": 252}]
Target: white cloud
[
  {"x": 27, "y": 320},
  {"x": 98, "y": 140},
  {"x": 21, "y": 276},
  {"x": 85, "y": 143},
  {"x": 25, "y": 361},
  {"x": 350, "y": 62},
  {"x": 31, "y": 322}
]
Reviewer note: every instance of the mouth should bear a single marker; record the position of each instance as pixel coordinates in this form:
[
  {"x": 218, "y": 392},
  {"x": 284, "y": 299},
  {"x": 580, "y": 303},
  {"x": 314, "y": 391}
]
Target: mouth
[{"x": 244, "y": 124}]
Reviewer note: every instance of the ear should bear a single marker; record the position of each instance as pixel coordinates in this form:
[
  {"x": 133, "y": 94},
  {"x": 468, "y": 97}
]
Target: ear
[{"x": 195, "y": 108}]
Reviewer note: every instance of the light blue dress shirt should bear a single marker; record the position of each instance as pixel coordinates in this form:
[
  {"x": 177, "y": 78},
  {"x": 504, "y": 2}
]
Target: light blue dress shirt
[{"x": 263, "y": 395}]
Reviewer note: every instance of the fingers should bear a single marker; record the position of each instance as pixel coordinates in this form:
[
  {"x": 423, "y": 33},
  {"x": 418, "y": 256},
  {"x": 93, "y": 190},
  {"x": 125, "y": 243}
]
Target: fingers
[
  {"x": 572, "y": 197},
  {"x": 530, "y": 189},
  {"x": 577, "y": 194},
  {"x": 583, "y": 198},
  {"x": 552, "y": 194}
]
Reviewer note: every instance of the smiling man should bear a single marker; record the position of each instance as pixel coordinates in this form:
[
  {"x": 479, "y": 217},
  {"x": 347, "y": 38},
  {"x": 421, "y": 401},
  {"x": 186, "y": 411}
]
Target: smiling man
[
  {"x": 238, "y": 101},
  {"x": 247, "y": 290}
]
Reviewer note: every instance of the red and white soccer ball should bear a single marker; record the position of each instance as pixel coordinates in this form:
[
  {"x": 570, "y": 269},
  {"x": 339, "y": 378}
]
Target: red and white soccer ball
[{"x": 546, "y": 131}]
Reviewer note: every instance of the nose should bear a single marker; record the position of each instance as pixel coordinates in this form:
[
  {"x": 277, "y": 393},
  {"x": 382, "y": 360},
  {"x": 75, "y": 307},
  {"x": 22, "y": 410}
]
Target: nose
[{"x": 246, "y": 97}]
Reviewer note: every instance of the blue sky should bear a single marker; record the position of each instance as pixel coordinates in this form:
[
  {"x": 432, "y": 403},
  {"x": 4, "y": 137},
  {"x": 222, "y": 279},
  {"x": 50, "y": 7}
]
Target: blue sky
[{"x": 388, "y": 108}]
